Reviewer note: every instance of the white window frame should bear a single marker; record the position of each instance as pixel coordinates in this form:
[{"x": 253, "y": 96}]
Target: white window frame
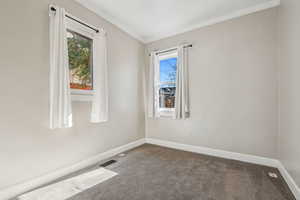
[
  {"x": 163, "y": 112},
  {"x": 77, "y": 94}
]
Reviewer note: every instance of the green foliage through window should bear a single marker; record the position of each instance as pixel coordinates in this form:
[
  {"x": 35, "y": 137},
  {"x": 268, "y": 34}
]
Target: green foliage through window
[{"x": 80, "y": 61}]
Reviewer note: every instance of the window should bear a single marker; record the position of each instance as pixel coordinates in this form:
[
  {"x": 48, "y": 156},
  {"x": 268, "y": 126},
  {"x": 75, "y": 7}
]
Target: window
[
  {"x": 80, "y": 61},
  {"x": 80, "y": 52},
  {"x": 166, "y": 83}
]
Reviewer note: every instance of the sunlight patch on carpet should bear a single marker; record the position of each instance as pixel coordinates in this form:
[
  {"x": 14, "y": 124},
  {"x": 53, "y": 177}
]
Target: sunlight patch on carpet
[{"x": 69, "y": 187}]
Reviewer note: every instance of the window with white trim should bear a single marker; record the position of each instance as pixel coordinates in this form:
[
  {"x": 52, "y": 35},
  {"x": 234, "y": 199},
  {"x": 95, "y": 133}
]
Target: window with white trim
[
  {"x": 80, "y": 52},
  {"x": 166, "y": 83}
]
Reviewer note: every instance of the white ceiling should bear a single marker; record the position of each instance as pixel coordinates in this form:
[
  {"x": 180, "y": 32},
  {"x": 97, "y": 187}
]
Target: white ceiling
[{"x": 149, "y": 20}]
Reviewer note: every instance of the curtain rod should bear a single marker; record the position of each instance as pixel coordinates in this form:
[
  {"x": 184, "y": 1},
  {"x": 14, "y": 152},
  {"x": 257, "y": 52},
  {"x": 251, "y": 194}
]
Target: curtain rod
[
  {"x": 80, "y": 22},
  {"x": 172, "y": 49}
]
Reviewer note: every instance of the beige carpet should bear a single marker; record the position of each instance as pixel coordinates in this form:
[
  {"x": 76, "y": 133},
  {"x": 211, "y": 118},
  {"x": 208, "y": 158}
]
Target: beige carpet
[{"x": 151, "y": 172}]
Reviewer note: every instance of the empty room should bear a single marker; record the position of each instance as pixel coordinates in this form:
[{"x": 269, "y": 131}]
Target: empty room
[{"x": 150, "y": 100}]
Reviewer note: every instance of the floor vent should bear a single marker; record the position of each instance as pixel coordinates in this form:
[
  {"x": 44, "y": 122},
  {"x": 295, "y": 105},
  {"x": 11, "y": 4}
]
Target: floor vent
[
  {"x": 108, "y": 163},
  {"x": 272, "y": 175}
]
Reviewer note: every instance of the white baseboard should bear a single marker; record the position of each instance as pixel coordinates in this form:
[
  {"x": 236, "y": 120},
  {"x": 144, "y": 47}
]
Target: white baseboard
[
  {"x": 29, "y": 185},
  {"x": 289, "y": 180},
  {"x": 234, "y": 156},
  {"x": 215, "y": 152},
  {"x": 34, "y": 183}
]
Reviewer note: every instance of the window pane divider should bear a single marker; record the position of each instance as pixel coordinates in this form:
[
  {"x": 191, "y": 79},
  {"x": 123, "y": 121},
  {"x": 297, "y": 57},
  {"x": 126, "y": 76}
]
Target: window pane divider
[{"x": 166, "y": 83}]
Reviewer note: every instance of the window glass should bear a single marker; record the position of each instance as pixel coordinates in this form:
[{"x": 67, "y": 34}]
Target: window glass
[
  {"x": 168, "y": 69},
  {"x": 167, "y": 86},
  {"x": 80, "y": 61},
  {"x": 167, "y": 96}
]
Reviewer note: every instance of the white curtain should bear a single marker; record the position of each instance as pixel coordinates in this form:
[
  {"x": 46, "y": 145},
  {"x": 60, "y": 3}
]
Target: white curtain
[
  {"x": 100, "y": 98},
  {"x": 60, "y": 100},
  {"x": 151, "y": 94},
  {"x": 182, "y": 106}
]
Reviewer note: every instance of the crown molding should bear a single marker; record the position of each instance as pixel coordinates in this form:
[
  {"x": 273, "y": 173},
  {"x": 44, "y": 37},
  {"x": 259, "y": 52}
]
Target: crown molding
[
  {"x": 134, "y": 34},
  {"x": 127, "y": 29},
  {"x": 216, "y": 20}
]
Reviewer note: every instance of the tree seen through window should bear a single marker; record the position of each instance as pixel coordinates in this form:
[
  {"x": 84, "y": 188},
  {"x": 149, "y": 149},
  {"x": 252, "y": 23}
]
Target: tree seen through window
[{"x": 80, "y": 61}]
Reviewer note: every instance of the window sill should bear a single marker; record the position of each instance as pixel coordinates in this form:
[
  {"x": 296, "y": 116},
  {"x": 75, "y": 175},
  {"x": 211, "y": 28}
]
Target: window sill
[
  {"x": 166, "y": 113},
  {"x": 81, "y": 97}
]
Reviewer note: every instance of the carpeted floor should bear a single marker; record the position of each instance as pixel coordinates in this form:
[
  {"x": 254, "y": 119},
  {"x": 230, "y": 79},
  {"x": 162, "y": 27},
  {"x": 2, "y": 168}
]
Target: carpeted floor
[{"x": 156, "y": 173}]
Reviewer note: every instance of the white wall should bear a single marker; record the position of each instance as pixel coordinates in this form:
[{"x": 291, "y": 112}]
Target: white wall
[
  {"x": 289, "y": 60},
  {"x": 233, "y": 80},
  {"x": 233, "y": 87},
  {"x": 27, "y": 147}
]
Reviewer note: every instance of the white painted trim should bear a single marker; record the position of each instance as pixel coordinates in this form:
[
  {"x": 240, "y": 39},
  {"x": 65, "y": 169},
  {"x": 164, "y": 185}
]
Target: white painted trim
[
  {"x": 77, "y": 94},
  {"x": 91, "y": 6},
  {"x": 36, "y": 182},
  {"x": 216, "y": 20},
  {"x": 31, "y": 184},
  {"x": 81, "y": 97},
  {"x": 234, "y": 156},
  {"x": 289, "y": 180},
  {"x": 215, "y": 152},
  {"x": 126, "y": 28}
]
